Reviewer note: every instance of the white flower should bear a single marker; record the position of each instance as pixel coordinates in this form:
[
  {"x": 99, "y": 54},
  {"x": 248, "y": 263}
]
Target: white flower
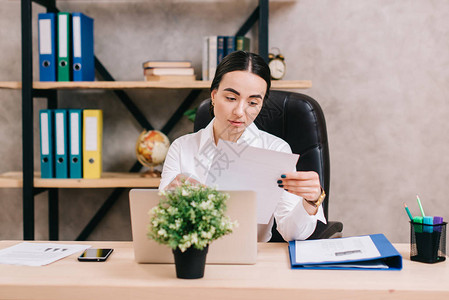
[
  {"x": 172, "y": 210},
  {"x": 162, "y": 232},
  {"x": 193, "y": 204},
  {"x": 185, "y": 193},
  {"x": 153, "y": 211},
  {"x": 194, "y": 238},
  {"x": 207, "y": 205},
  {"x": 184, "y": 246},
  {"x": 206, "y": 235},
  {"x": 211, "y": 197}
]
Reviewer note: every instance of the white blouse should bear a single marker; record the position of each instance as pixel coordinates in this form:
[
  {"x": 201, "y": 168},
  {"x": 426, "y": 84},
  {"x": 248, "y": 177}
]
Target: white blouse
[{"x": 192, "y": 155}]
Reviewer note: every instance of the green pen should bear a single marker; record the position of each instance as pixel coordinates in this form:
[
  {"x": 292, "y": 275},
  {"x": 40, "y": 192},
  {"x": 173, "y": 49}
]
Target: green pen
[
  {"x": 417, "y": 223},
  {"x": 420, "y": 206},
  {"x": 408, "y": 212}
]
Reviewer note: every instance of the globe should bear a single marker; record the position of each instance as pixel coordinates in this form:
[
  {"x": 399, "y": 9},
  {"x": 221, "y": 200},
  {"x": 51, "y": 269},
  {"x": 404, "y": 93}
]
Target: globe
[{"x": 151, "y": 150}]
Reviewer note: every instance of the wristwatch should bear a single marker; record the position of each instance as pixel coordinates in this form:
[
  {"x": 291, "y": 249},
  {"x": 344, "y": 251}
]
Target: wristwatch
[{"x": 320, "y": 199}]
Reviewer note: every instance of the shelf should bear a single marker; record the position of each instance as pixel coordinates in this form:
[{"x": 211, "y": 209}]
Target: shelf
[
  {"x": 108, "y": 180},
  {"x": 144, "y": 1},
  {"x": 120, "y": 85}
]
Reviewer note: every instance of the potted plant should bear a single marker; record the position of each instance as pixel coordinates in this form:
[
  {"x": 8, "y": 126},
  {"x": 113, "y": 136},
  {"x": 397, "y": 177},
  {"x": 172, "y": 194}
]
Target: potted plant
[{"x": 187, "y": 219}]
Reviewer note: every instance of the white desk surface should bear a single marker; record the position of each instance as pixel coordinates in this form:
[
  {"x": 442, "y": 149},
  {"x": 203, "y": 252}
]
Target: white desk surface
[{"x": 120, "y": 277}]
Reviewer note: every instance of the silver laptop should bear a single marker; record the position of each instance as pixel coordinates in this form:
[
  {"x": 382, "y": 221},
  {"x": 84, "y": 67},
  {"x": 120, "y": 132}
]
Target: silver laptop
[{"x": 239, "y": 247}]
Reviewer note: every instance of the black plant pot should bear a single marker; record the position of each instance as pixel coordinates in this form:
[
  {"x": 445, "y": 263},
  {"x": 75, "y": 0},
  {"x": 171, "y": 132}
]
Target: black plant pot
[{"x": 190, "y": 264}]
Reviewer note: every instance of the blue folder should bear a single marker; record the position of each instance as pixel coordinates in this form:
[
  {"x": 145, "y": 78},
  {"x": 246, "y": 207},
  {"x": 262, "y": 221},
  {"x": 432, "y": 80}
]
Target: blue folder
[
  {"x": 75, "y": 144},
  {"x": 83, "y": 47},
  {"x": 388, "y": 255},
  {"x": 61, "y": 156},
  {"x": 46, "y": 143},
  {"x": 47, "y": 47}
]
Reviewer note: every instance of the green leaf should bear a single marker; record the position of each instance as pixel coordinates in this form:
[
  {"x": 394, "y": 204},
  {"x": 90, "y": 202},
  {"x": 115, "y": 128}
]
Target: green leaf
[{"x": 191, "y": 114}]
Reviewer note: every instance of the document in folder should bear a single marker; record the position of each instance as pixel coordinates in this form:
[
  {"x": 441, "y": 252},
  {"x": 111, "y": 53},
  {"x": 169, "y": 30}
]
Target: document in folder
[
  {"x": 359, "y": 252},
  {"x": 75, "y": 149},
  {"x": 83, "y": 47},
  {"x": 47, "y": 47},
  {"x": 92, "y": 143},
  {"x": 64, "y": 46},
  {"x": 46, "y": 139},
  {"x": 242, "y": 167},
  {"x": 61, "y": 162}
]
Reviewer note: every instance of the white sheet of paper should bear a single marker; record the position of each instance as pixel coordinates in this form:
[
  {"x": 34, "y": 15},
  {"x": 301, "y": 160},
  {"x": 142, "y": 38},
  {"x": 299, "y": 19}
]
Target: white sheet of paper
[
  {"x": 37, "y": 254},
  {"x": 335, "y": 250},
  {"x": 370, "y": 264},
  {"x": 242, "y": 167}
]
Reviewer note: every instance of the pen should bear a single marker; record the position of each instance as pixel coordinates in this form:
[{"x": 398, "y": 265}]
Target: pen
[
  {"x": 408, "y": 212},
  {"x": 420, "y": 206},
  {"x": 429, "y": 222},
  {"x": 437, "y": 220},
  {"x": 417, "y": 223}
]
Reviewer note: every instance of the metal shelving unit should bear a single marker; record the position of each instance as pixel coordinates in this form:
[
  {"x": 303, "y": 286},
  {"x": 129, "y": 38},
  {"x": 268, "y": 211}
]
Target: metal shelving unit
[{"x": 32, "y": 185}]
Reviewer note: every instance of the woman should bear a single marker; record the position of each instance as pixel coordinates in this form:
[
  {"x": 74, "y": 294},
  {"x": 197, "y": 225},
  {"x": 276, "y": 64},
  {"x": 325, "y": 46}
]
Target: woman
[{"x": 238, "y": 91}]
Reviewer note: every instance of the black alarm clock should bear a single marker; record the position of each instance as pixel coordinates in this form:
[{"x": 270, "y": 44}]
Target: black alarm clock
[{"x": 276, "y": 62}]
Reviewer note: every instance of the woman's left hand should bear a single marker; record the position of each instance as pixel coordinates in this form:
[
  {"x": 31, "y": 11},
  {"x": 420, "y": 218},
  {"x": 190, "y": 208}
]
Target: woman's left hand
[{"x": 301, "y": 183}]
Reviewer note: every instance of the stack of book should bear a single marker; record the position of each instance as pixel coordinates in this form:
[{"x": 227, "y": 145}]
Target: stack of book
[
  {"x": 168, "y": 70},
  {"x": 216, "y": 47}
]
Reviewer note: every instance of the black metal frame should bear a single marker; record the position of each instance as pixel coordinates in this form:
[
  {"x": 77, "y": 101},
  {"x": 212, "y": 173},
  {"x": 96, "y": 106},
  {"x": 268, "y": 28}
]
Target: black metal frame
[{"x": 28, "y": 93}]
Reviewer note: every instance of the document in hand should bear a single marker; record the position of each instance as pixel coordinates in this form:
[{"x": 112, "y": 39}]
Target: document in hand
[
  {"x": 242, "y": 167},
  {"x": 369, "y": 252}
]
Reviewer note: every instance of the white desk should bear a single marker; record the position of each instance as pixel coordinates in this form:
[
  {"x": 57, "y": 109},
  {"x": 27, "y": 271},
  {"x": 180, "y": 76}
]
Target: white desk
[{"x": 271, "y": 278}]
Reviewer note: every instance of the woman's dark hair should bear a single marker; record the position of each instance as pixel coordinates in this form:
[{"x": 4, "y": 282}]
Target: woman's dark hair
[{"x": 242, "y": 61}]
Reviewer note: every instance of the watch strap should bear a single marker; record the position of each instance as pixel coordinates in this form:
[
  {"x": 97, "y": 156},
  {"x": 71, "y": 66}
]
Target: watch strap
[{"x": 320, "y": 199}]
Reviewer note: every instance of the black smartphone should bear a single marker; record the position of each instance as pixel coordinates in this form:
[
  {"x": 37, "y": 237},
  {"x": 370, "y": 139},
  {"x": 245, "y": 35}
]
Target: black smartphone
[{"x": 94, "y": 254}]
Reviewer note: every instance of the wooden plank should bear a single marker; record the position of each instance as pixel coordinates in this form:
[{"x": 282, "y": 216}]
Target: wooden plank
[
  {"x": 108, "y": 180},
  {"x": 11, "y": 180},
  {"x": 120, "y": 85},
  {"x": 291, "y": 84},
  {"x": 15, "y": 85}
]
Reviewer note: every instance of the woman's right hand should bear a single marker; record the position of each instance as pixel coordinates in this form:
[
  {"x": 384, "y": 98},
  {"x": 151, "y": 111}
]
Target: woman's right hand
[{"x": 180, "y": 179}]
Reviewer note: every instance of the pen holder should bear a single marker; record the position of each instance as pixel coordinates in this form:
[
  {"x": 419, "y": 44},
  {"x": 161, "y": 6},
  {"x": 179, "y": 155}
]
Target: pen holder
[{"x": 428, "y": 242}]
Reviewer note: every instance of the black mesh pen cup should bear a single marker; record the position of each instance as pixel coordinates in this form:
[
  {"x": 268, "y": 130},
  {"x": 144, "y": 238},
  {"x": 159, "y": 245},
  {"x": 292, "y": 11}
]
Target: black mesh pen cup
[{"x": 428, "y": 242}]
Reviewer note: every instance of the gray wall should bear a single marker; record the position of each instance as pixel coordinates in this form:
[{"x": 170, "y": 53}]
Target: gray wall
[{"x": 379, "y": 70}]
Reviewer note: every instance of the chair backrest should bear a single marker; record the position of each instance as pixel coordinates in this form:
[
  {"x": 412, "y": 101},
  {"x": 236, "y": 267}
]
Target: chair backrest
[{"x": 297, "y": 119}]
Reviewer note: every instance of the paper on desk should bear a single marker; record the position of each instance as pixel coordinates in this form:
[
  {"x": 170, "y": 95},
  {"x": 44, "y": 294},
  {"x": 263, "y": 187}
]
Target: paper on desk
[
  {"x": 335, "y": 250},
  {"x": 37, "y": 254},
  {"x": 242, "y": 167}
]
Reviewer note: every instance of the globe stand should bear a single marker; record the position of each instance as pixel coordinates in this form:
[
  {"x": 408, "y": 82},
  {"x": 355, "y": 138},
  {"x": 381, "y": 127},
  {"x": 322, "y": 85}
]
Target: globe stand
[{"x": 152, "y": 173}]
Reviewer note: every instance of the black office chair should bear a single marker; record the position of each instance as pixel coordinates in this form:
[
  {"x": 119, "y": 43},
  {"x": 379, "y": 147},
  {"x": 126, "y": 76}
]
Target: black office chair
[{"x": 298, "y": 120}]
